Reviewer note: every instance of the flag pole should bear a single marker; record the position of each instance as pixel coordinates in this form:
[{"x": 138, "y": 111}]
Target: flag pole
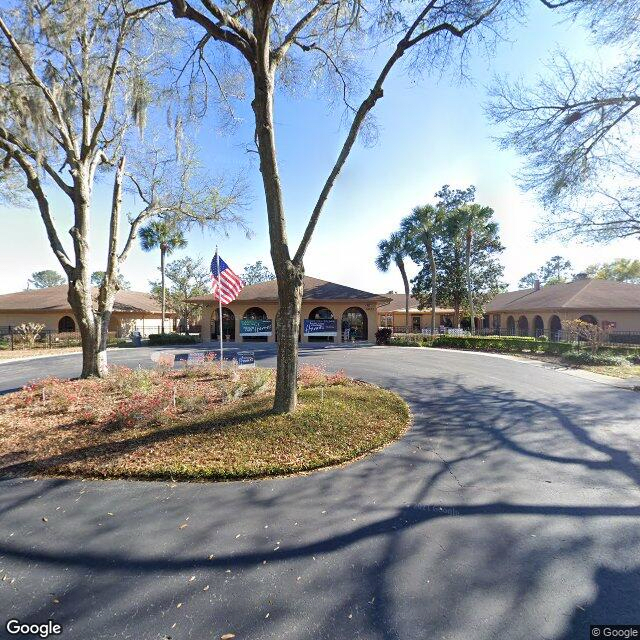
[{"x": 219, "y": 308}]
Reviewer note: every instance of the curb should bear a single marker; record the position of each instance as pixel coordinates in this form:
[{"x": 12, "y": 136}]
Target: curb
[
  {"x": 42, "y": 357},
  {"x": 610, "y": 381}
]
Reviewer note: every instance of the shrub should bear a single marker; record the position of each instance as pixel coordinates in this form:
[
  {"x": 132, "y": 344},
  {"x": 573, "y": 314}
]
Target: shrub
[
  {"x": 593, "y": 359},
  {"x": 409, "y": 340},
  {"x": 310, "y": 375},
  {"x": 170, "y": 338},
  {"x": 634, "y": 358},
  {"x": 28, "y": 333},
  {"x": 501, "y": 344},
  {"x": 383, "y": 335},
  {"x": 593, "y": 334}
]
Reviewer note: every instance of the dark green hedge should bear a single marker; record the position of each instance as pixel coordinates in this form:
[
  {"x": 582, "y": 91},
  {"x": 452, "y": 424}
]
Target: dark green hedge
[
  {"x": 170, "y": 338},
  {"x": 502, "y": 344}
]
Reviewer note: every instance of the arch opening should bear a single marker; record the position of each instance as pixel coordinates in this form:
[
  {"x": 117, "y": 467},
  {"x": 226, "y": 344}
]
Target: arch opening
[
  {"x": 320, "y": 313},
  {"x": 355, "y": 324},
  {"x": 523, "y": 326},
  {"x": 538, "y": 327},
  {"x": 66, "y": 324},
  {"x": 555, "y": 328},
  {"x": 255, "y": 313},
  {"x": 228, "y": 325}
]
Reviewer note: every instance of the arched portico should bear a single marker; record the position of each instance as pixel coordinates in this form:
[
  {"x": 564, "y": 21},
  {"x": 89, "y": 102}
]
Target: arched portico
[
  {"x": 228, "y": 324},
  {"x": 555, "y": 327},
  {"x": 255, "y": 313},
  {"x": 523, "y": 326},
  {"x": 355, "y": 325},
  {"x": 320, "y": 313},
  {"x": 66, "y": 324},
  {"x": 538, "y": 326},
  {"x": 587, "y": 317},
  {"x": 511, "y": 326}
]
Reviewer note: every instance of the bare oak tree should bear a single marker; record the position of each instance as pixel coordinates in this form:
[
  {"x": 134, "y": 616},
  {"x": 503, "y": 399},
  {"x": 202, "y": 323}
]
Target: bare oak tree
[
  {"x": 272, "y": 40},
  {"x": 75, "y": 81},
  {"x": 577, "y": 129}
]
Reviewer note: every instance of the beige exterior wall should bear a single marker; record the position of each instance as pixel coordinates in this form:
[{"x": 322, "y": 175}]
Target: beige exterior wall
[
  {"x": 424, "y": 317},
  {"x": 337, "y": 308},
  {"x": 625, "y": 320},
  {"x": 121, "y": 323}
]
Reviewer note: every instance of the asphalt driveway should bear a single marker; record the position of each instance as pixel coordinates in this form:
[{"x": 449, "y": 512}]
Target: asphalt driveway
[{"x": 511, "y": 510}]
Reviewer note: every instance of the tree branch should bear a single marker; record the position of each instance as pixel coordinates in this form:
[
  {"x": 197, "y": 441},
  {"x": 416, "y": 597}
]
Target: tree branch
[
  {"x": 33, "y": 183},
  {"x": 182, "y": 9},
  {"x": 370, "y": 101},
  {"x": 63, "y": 127},
  {"x": 289, "y": 39},
  {"x": 11, "y": 138},
  {"x": 228, "y": 20},
  {"x": 107, "y": 290}
]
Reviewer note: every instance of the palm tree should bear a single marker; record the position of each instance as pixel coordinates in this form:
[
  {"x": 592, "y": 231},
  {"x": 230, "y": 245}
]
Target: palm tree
[
  {"x": 166, "y": 235},
  {"x": 395, "y": 249},
  {"x": 476, "y": 223},
  {"x": 421, "y": 228}
]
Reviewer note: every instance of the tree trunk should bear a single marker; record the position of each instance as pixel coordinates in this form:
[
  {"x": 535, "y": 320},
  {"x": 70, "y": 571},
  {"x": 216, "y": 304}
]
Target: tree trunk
[
  {"x": 405, "y": 281},
  {"x": 93, "y": 332},
  {"x": 434, "y": 283},
  {"x": 289, "y": 273},
  {"x": 469, "y": 291},
  {"x": 162, "y": 286},
  {"x": 290, "y": 296}
]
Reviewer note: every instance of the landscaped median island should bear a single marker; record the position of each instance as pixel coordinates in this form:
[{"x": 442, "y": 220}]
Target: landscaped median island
[
  {"x": 620, "y": 362},
  {"x": 196, "y": 423}
]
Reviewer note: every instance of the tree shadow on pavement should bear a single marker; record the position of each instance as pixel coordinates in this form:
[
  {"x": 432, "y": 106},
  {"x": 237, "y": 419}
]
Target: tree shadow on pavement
[{"x": 501, "y": 515}]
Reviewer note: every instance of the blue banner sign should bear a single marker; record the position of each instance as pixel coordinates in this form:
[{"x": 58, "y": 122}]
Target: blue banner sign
[
  {"x": 256, "y": 327},
  {"x": 321, "y": 328},
  {"x": 246, "y": 359}
]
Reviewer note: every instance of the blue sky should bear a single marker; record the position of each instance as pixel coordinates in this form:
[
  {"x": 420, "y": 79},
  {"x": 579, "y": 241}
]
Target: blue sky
[{"x": 432, "y": 131}]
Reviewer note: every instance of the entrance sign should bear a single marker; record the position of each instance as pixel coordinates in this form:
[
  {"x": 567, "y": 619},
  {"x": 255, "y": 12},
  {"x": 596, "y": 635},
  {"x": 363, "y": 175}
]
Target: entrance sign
[
  {"x": 321, "y": 328},
  {"x": 256, "y": 327},
  {"x": 246, "y": 359}
]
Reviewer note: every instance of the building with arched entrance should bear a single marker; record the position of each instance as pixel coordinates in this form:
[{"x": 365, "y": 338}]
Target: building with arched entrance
[
  {"x": 538, "y": 311},
  {"x": 392, "y": 315},
  {"x": 132, "y": 310},
  {"x": 330, "y": 312}
]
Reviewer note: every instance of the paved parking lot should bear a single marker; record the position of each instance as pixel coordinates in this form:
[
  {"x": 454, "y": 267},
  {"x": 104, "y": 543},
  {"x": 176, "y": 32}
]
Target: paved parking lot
[{"x": 510, "y": 510}]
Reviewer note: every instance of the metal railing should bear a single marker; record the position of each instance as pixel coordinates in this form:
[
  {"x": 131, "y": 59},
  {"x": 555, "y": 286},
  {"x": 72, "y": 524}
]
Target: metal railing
[
  {"x": 11, "y": 339},
  {"x": 621, "y": 338},
  {"x": 614, "y": 338}
]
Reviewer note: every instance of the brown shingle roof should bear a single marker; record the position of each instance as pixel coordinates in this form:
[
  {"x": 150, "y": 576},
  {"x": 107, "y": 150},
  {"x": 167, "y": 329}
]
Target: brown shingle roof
[
  {"x": 55, "y": 299},
  {"x": 398, "y": 304},
  {"x": 580, "y": 294},
  {"x": 314, "y": 289}
]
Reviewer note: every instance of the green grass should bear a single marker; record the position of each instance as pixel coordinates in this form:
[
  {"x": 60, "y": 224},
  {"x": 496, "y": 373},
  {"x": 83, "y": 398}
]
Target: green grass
[
  {"x": 619, "y": 371},
  {"x": 202, "y": 438}
]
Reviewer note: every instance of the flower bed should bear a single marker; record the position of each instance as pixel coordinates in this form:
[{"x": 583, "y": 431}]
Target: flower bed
[{"x": 195, "y": 423}]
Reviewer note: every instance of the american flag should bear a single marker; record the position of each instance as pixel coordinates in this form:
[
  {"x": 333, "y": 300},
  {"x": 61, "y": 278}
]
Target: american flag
[{"x": 226, "y": 285}]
